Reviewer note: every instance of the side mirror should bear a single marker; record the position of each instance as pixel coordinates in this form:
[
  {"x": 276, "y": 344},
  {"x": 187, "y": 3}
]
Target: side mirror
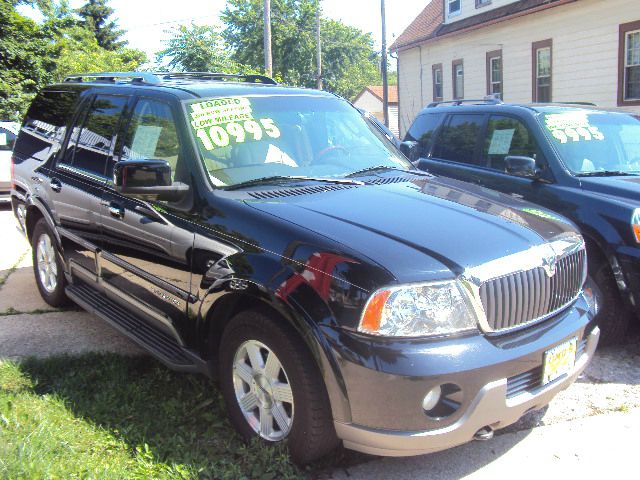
[
  {"x": 411, "y": 150},
  {"x": 521, "y": 166},
  {"x": 147, "y": 180}
]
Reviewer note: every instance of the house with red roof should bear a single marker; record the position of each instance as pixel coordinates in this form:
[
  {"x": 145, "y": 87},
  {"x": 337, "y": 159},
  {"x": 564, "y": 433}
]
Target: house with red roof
[
  {"x": 522, "y": 51},
  {"x": 370, "y": 99}
]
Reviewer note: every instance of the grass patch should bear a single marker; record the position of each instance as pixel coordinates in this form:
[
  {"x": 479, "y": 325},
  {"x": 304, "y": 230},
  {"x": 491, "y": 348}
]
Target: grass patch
[{"x": 106, "y": 416}]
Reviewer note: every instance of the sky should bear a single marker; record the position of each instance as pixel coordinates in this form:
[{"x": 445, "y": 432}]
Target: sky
[{"x": 147, "y": 21}]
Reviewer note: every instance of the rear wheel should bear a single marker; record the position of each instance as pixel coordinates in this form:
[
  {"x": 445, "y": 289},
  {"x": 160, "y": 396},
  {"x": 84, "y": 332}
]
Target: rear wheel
[
  {"x": 613, "y": 318},
  {"x": 47, "y": 266},
  {"x": 273, "y": 388}
]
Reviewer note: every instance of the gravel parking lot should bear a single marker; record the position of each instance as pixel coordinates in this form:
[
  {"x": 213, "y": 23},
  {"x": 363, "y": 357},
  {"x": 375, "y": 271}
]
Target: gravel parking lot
[{"x": 29, "y": 327}]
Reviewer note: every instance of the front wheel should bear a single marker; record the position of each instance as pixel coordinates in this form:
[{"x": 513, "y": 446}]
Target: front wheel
[
  {"x": 47, "y": 266},
  {"x": 273, "y": 388},
  {"x": 613, "y": 318}
]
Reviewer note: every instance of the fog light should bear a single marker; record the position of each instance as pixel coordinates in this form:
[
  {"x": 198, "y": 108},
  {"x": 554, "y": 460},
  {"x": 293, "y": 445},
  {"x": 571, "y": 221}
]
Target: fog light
[{"x": 431, "y": 399}]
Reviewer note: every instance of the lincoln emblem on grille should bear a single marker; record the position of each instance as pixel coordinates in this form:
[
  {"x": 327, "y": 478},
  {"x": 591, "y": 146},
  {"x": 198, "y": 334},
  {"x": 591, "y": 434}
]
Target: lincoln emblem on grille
[{"x": 549, "y": 264}]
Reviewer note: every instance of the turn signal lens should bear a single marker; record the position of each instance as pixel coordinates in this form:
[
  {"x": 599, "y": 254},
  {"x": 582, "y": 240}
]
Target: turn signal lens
[
  {"x": 373, "y": 311},
  {"x": 635, "y": 224}
]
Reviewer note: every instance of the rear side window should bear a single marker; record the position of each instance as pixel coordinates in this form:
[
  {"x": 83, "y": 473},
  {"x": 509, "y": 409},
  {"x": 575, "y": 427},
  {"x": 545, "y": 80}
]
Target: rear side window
[
  {"x": 507, "y": 136},
  {"x": 7, "y": 139},
  {"x": 152, "y": 134},
  {"x": 423, "y": 130},
  {"x": 457, "y": 140},
  {"x": 45, "y": 123},
  {"x": 92, "y": 145}
]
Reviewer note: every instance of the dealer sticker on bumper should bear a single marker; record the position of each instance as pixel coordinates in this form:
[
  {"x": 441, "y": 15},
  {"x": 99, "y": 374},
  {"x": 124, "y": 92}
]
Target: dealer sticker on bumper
[{"x": 559, "y": 360}]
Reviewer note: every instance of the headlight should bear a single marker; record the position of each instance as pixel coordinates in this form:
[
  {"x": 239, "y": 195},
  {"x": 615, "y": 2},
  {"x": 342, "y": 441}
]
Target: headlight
[
  {"x": 439, "y": 308},
  {"x": 635, "y": 224}
]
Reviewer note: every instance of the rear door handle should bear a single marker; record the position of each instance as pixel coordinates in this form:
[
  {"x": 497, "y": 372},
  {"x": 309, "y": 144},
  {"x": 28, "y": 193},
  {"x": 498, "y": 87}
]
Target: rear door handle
[
  {"x": 116, "y": 210},
  {"x": 55, "y": 184}
]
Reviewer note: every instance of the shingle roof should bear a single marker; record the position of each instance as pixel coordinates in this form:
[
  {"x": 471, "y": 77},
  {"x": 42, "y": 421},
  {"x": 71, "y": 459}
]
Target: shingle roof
[
  {"x": 430, "y": 23},
  {"x": 376, "y": 90}
]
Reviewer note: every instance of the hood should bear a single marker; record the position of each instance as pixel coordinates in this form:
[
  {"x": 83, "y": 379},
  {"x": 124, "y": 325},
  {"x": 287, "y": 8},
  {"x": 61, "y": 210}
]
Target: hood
[
  {"x": 415, "y": 227},
  {"x": 627, "y": 188}
]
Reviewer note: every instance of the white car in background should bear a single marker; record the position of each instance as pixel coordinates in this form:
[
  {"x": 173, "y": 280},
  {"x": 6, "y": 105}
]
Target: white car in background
[{"x": 8, "y": 134}]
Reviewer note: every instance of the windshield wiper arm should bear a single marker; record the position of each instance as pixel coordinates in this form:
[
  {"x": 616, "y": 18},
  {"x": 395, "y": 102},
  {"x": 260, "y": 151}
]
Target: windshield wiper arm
[
  {"x": 386, "y": 167},
  {"x": 608, "y": 173},
  {"x": 288, "y": 178}
]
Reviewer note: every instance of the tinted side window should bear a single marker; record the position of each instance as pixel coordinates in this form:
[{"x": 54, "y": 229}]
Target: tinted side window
[
  {"x": 90, "y": 148},
  {"x": 152, "y": 134},
  {"x": 458, "y": 139},
  {"x": 45, "y": 124},
  {"x": 507, "y": 136},
  {"x": 423, "y": 130},
  {"x": 7, "y": 139}
]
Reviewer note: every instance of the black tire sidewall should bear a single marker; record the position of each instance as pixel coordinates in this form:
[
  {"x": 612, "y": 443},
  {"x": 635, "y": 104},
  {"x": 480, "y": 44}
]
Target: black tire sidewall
[
  {"x": 613, "y": 318},
  {"x": 57, "y": 298}
]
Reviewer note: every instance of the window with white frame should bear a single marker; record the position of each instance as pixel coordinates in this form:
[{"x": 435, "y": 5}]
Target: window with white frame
[
  {"x": 453, "y": 7},
  {"x": 632, "y": 66},
  {"x": 494, "y": 73},
  {"x": 458, "y": 79},
  {"x": 542, "y": 71},
  {"x": 437, "y": 82}
]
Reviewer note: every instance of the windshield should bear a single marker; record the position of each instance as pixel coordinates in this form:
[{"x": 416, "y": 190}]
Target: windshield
[
  {"x": 595, "y": 143},
  {"x": 247, "y": 138}
]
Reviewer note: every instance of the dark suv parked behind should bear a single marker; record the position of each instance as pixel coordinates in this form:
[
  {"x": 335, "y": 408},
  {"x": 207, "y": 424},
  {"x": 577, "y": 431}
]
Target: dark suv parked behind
[
  {"x": 581, "y": 162},
  {"x": 273, "y": 237}
]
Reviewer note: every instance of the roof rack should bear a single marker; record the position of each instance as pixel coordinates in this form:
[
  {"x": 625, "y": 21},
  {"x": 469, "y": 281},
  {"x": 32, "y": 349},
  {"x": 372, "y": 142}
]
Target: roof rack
[
  {"x": 134, "y": 77},
  {"x": 488, "y": 100},
  {"x": 155, "y": 78}
]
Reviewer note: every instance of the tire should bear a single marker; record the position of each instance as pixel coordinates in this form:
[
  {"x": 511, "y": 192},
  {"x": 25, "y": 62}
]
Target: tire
[
  {"x": 284, "y": 370},
  {"x": 47, "y": 267},
  {"x": 613, "y": 318}
]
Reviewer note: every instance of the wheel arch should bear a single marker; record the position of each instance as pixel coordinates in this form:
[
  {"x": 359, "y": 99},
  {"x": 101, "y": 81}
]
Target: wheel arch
[{"x": 219, "y": 309}]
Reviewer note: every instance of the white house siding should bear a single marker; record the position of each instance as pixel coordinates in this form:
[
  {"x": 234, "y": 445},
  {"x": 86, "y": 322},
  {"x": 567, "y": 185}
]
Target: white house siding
[
  {"x": 585, "y": 56},
  {"x": 393, "y": 119},
  {"x": 369, "y": 102},
  {"x": 468, "y": 8}
]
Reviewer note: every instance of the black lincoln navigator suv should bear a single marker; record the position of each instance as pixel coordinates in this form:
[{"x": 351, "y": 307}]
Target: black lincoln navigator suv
[{"x": 274, "y": 238}]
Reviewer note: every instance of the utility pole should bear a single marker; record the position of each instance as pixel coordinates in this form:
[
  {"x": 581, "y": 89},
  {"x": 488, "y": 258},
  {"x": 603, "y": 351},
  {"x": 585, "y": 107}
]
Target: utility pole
[
  {"x": 319, "y": 49},
  {"x": 268, "y": 61},
  {"x": 385, "y": 83}
]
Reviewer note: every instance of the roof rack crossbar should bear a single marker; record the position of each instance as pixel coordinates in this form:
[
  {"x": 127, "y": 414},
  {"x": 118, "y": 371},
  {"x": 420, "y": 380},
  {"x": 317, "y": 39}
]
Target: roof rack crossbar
[
  {"x": 251, "y": 78},
  {"x": 135, "y": 77},
  {"x": 489, "y": 100}
]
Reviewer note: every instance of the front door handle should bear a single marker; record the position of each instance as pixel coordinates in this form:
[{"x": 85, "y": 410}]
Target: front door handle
[
  {"x": 55, "y": 184},
  {"x": 116, "y": 210}
]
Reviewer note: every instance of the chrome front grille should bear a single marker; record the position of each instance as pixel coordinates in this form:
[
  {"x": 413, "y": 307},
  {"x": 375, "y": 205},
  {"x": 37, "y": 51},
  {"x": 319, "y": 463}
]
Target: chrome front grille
[{"x": 523, "y": 297}]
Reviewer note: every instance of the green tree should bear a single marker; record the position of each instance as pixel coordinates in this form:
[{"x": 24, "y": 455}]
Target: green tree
[
  {"x": 197, "y": 48},
  {"x": 25, "y": 61},
  {"x": 79, "y": 52},
  {"x": 95, "y": 16},
  {"x": 349, "y": 61}
]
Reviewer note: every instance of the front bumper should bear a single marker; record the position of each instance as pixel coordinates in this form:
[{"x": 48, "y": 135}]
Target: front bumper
[
  {"x": 499, "y": 380},
  {"x": 490, "y": 408}
]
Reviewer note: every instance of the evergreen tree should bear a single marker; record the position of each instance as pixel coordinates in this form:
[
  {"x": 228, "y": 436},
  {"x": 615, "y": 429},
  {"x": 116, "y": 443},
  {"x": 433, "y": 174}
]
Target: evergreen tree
[{"x": 95, "y": 15}]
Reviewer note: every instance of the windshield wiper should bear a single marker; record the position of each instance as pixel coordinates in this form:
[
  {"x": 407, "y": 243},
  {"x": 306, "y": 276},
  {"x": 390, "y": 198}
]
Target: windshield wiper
[
  {"x": 381, "y": 168},
  {"x": 608, "y": 173},
  {"x": 289, "y": 178}
]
